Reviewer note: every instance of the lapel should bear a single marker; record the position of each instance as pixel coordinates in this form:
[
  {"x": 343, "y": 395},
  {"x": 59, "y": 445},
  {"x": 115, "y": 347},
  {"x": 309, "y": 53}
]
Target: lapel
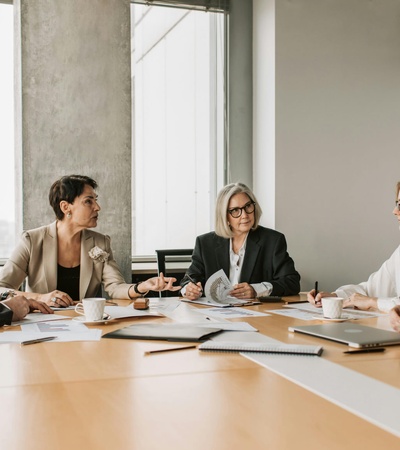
[
  {"x": 50, "y": 260},
  {"x": 87, "y": 242},
  {"x": 222, "y": 254},
  {"x": 250, "y": 257}
]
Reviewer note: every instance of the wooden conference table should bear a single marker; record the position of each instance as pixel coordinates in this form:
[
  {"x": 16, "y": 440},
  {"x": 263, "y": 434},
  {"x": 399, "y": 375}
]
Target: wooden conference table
[{"x": 109, "y": 395}]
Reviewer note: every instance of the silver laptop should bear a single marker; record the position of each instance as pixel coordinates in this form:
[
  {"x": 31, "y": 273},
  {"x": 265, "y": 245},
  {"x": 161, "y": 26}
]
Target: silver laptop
[{"x": 358, "y": 336}]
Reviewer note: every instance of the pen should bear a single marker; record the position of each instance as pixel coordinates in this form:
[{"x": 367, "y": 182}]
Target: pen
[
  {"x": 316, "y": 290},
  {"x": 366, "y": 350},
  {"x": 169, "y": 349},
  {"x": 36, "y": 341}
]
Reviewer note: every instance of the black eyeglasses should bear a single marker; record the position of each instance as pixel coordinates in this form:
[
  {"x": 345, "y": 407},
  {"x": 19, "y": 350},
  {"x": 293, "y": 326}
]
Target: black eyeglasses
[
  {"x": 237, "y": 212},
  {"x": 398, "y": 204}
]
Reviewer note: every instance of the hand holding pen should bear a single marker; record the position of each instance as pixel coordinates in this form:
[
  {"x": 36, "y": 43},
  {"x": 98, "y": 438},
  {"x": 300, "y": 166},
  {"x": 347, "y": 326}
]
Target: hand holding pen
[
  {"x": 314, "y": 296},
  {"x": 193, "y": 290},
  {"x": 317, "y": 301}
]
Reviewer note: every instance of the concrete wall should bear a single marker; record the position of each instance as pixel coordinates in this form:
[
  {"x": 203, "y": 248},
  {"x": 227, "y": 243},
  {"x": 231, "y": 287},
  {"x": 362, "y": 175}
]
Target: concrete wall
[
  {"x": 240, "y": 97},
  {"x": 336, "y": 148},
  {"x": 74, "y": 115}
]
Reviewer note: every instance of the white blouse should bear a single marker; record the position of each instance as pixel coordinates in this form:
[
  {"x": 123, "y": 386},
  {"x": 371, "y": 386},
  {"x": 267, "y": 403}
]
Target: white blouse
[
  {"x": 236, "y": 264},
  {"x": 383, "y": 284}
]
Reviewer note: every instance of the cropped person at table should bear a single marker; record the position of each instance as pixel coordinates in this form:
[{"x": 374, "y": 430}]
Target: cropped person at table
[
  {"x": 382, "y": 289},
  {"x": 14, "y": 308},
  {"x": 254, "y": 258},
  {"x": 65, "y": 261}
]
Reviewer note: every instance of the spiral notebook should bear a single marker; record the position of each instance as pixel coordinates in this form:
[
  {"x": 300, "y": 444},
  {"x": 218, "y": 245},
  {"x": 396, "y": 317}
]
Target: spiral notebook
[{"x": 228, "y": 346}]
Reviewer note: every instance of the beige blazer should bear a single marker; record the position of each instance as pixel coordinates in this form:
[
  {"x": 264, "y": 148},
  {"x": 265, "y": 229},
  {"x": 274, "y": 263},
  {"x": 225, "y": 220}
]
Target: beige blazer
[{"x": 35, "y": 257}]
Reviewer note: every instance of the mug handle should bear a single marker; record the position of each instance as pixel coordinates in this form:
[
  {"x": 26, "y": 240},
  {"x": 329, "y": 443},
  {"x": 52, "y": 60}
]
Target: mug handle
[{"x": 79, "y": 309}]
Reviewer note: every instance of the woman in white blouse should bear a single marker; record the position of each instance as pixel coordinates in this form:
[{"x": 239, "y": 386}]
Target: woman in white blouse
[{"x": 381, "y": 291}]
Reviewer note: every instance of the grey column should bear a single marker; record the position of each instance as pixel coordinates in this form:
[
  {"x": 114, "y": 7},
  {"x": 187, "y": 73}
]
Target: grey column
[
  {"x": 240, "y": 93},
  {"x": 74, "y": 108}
]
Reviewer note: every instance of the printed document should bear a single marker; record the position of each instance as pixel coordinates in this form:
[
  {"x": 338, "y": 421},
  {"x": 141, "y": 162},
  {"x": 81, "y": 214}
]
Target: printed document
[{"x": 217, "y": 291}]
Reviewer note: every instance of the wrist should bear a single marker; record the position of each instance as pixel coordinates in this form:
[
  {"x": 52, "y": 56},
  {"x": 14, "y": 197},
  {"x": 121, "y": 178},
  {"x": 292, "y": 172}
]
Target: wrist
[
  {"x": 374, "y": 303},
  {"x": 139, "y": 291},
  {"x": 9, "y": 293}
]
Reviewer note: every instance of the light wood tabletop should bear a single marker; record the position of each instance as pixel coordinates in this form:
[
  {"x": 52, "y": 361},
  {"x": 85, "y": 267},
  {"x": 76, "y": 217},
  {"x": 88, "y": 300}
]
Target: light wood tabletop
[{"x": 109, "y": 394}]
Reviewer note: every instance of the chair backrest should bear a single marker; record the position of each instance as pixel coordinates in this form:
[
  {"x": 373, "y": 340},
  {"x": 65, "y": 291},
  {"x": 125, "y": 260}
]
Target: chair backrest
[{"x": 173, "y": 263}]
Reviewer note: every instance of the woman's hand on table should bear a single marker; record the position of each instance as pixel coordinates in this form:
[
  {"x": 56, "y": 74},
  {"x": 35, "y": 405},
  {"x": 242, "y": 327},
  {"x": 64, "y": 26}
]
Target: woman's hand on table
[
  {"x": 360, "y": 301},
  {"x": 56, "y": 299},
  {"x": 243, "y": 291},
  {"x": 394, "y": 317},
  {"x": 193, "y": 291}
]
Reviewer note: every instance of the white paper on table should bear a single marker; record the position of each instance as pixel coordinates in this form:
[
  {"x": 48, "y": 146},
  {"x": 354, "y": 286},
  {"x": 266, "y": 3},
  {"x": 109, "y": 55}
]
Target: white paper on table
[
  {"x": 296, "y": 313},
  {"x": 370, "y": 399},
  {"x": 121, "y": 312},
  {"x": 65, "y": 331},
  {"x": 226, "y": 326},
  {"x": 350, "y": 312},
  {"x": 230, "y": 313},
  {"x": 38, "y": 317}
]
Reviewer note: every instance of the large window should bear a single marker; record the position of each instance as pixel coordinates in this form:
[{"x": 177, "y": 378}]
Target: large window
[
  {"x": 7, "y": 197},
  {"x": 178, "y": 124}
]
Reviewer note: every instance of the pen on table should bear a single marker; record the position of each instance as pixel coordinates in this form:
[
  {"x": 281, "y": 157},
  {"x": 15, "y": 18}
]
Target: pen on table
[
  {"x": 36, "y": 341},
  {"x": 365, "y": 350},
  {"x": 170, "y": 349}
]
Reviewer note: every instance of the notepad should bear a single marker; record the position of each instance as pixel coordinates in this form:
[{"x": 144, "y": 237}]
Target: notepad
[{"x": 226, "y": 346}]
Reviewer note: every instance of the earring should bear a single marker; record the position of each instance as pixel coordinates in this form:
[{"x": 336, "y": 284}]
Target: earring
[{"x": 69, "y": 215}]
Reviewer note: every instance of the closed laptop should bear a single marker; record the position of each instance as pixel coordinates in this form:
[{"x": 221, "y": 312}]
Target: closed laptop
[{"x": 358, "y": 336}]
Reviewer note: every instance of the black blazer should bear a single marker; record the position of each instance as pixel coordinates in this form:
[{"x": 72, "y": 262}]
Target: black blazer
[
  {"x": 5, "y": 315},
  {"x": 266, "y": 259}
]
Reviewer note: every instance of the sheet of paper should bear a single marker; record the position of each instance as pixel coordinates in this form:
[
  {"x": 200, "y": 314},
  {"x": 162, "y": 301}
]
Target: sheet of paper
[
  {"x": 164, "y": 305},
  {"x": 350, "y": 312},
  {"x": 226, "y": 326},
  {"x": 38, "y": 317},
  {"x": 379, "y": 406},
  {"x": 295, "y": 313},
  {"x": 65, "y": 331},
  {"x": 121, "y": 312},
  {"x": 230, "y": 313}
]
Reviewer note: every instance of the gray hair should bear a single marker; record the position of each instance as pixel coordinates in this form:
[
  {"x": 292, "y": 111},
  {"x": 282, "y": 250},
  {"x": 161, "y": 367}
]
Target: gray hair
[{"x": 221, "y": 208}]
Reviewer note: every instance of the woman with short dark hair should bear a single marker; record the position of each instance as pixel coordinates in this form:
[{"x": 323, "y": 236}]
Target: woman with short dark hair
[{"x": 66, "y": 261}]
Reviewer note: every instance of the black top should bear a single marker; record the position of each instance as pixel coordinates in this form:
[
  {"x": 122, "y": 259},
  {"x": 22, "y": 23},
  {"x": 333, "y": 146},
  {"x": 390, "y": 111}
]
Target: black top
[
  {"x": 266, "y": 259},
  {"x": 5, "y": 315},
  {"x": 68, "y": 280}
]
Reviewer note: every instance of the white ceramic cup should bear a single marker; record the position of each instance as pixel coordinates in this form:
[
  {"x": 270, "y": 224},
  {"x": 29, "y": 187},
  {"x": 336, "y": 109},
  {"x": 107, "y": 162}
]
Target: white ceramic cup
[
  {"x": 91, "y": 308},
  {"x": 332, "y": 307}
]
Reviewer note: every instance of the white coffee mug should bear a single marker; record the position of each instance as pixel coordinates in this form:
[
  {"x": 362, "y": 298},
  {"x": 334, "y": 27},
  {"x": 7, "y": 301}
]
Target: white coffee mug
[
  {"x": 332, "y": 307},
  {"x": 91, "y": 308}
]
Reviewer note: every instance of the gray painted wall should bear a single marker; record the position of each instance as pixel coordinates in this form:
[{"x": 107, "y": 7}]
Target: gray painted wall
[
  {"x": 73, "y": 63},
  {"x": 337, "y": 108}
]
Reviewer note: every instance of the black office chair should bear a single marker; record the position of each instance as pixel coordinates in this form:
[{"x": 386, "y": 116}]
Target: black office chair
[{"x": 182, "y": 256}]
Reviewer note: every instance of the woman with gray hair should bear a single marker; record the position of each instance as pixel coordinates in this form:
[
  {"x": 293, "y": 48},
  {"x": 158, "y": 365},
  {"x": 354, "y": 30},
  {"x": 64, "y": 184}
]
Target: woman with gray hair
[{"x": 253, "y": 257}]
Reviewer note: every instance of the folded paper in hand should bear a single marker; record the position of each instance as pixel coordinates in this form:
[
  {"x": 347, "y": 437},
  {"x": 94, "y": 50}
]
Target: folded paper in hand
[{"x": 217, "y": 291}]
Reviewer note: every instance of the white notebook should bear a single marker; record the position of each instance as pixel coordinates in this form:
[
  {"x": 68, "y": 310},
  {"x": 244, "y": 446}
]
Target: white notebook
[{"x": 226, "y": 346}]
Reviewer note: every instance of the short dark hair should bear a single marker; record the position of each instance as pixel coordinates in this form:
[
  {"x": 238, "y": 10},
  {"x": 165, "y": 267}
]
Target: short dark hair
[{"x": 68, "y": 188}]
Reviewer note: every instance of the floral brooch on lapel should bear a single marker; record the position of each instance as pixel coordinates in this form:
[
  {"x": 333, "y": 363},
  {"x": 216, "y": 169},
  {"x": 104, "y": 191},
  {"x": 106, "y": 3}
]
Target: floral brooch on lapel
[{"x": 97, "y": 254}]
